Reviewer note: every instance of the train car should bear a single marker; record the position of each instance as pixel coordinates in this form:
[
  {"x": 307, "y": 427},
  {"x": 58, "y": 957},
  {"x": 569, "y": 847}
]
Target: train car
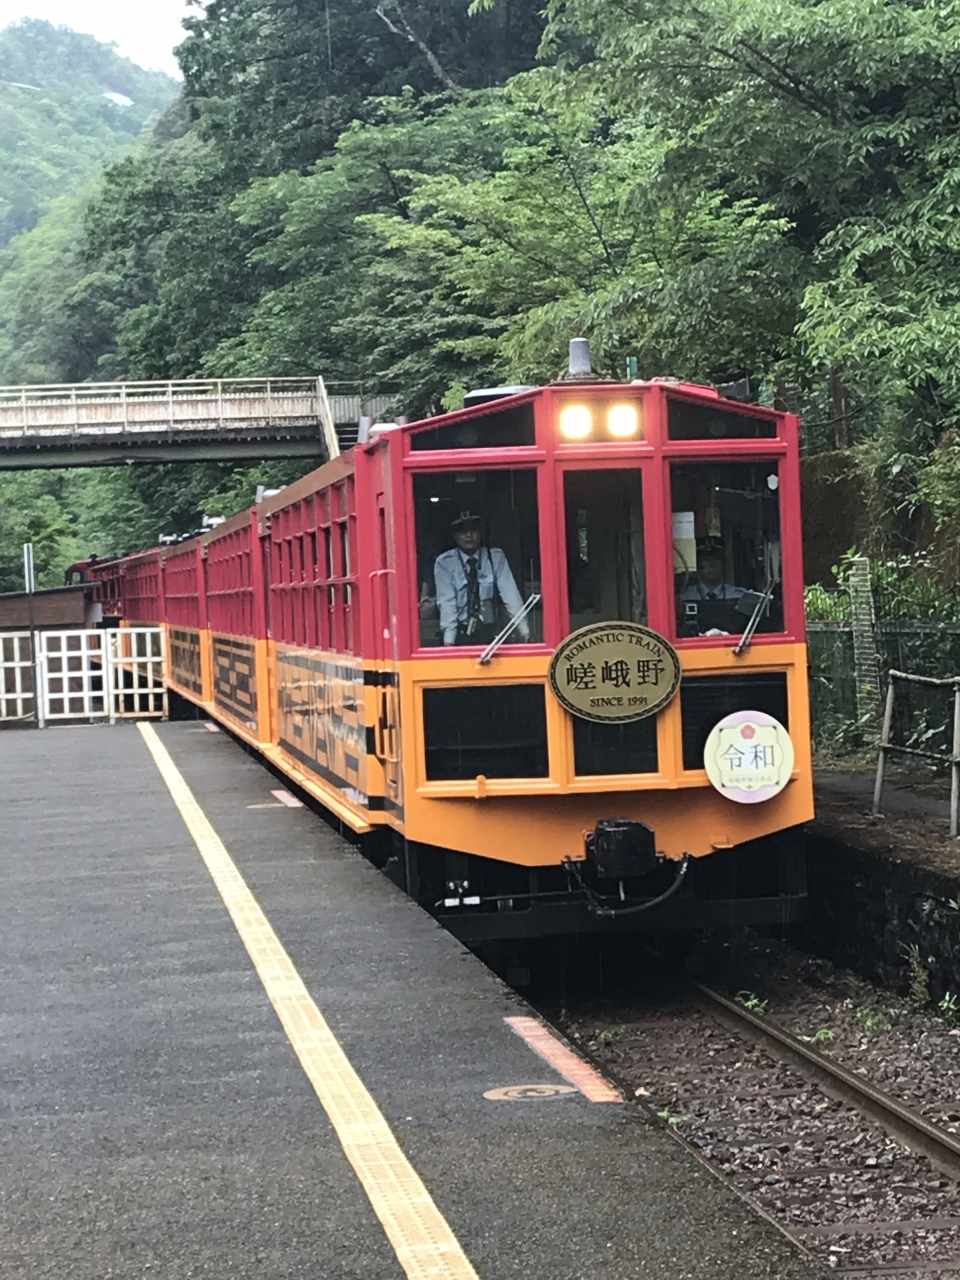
[
  {"x": 545, "y": 655},
  {"x": 102, "y": 579}
]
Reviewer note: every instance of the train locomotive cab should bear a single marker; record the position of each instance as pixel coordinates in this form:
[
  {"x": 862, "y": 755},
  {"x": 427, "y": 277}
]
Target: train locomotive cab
[{"x": 585, "y": 619}]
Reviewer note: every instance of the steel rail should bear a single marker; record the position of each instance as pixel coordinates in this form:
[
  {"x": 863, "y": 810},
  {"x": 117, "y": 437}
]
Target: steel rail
[{"x": 913, "y": 1130}]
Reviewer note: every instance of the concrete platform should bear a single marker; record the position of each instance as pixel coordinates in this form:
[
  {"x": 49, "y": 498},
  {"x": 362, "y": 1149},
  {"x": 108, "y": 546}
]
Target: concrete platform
[
  {"x": 155, "y": 1121},
  {"x": 854, "y": 788}
]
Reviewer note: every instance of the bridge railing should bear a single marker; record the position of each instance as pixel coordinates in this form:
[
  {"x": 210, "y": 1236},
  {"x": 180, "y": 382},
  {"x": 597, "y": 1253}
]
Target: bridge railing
[{"x": 109, "y": 408}]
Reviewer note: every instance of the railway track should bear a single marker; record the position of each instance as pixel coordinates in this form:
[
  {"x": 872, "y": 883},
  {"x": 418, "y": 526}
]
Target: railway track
[{"x": 865, "y": 1183}]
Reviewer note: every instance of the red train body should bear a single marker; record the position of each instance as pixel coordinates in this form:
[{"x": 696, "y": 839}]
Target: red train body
[{"x": 314, "y": 627}]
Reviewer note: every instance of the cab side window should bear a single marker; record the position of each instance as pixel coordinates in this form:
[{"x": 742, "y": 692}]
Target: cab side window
[
  {"x": 726, "y": 547},
  {"x": 478, "y": 556}
]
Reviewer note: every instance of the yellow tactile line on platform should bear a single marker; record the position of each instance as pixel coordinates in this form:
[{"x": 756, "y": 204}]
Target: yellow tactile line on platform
[{"x": 421, "y": 1237}]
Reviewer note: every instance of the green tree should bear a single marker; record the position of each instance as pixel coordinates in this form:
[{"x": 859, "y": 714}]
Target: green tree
[
  {"x": 572, "y": 233},
  {"x": 840, "y": 117},
  {"x": 268, "y": 89},
  {"x": 342, "y": 303},
  {"x": 35, "y": 507},
  {"x": 275, "y": 82}
]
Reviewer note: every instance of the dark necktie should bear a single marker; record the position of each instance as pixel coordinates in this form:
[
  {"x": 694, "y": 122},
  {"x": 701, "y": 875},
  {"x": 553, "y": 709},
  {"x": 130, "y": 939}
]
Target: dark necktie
[
  {"x": 473, "y": 587},
  {"x": 711, "y": 595}
]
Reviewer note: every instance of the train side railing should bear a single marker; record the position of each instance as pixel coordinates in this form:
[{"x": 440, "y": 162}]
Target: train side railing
[{"x": 82, "y": 674}]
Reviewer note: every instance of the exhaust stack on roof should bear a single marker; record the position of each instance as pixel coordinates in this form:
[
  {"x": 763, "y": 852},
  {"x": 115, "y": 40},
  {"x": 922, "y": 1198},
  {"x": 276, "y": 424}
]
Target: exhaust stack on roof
[{"x": 579, "y": 358}]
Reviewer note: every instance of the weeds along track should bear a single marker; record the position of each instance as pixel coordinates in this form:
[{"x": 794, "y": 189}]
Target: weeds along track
[{"x": 867, "y": 1184}]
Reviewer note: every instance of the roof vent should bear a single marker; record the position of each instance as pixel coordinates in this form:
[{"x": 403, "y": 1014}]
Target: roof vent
[
  {"x": 485, "y": 394},
  {"x": 579, "y": 358},
  {"x": 580, "y": 369}
]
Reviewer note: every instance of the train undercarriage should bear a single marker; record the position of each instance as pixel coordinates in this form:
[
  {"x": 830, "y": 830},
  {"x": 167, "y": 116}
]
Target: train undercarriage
[{"x": 480, "y": 900}]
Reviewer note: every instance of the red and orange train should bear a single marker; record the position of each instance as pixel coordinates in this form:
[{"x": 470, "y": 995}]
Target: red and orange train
[{"x": 545, "y": 655}]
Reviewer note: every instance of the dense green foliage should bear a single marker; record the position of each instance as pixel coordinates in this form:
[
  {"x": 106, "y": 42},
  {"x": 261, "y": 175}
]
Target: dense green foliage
[
  {"x": 395, "y": 192},
  {"x": 841, "y": 118},
  {"x": 58, "y": 126}
]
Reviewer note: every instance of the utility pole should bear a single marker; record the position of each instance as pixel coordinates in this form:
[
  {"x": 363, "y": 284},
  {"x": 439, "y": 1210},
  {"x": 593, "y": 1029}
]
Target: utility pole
[{"x": 30, "y": 583}]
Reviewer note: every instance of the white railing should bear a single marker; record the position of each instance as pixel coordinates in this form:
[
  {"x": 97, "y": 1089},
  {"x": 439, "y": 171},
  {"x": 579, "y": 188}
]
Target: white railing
[
  {"x": 82, "y": 674},
  {"x": 74, "y": 677},
  {"x": 99, "y": 409},
  {"x": 135, "y": 672},
  {"x": 17, "y": 683}
]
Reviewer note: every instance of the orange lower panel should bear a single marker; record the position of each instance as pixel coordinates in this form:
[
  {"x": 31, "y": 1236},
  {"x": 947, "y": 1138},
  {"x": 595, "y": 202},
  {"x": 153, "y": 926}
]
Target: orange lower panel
[
  {"x": 355, "y": 817},
  {"x": 543, "y": 830},
  {"x": 539, "y": 823}
]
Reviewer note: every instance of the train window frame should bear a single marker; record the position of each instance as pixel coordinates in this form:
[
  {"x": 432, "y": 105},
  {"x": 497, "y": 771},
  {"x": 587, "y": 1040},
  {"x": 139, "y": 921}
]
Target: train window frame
[
  {"x": 723, "y": 408},
  {"x": 749, "y": 682},
  {"x": 499, "y": 782},
  {"x": 644, "y": 467},
  {"x": 428, "y": 465},
  {"x": 461, "y": 432},
  {"x": 753, "y": 452},
  {"x": 313, "y": 570}
]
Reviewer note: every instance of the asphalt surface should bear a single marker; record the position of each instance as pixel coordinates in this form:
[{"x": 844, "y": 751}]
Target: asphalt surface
[
  {"x": 155, "y": 1122},
  {"x": 855, "y": 787}
]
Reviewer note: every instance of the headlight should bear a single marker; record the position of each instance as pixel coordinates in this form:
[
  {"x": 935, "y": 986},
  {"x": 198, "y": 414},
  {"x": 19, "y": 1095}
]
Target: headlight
[
  {"x": 576, "y": 422},
  {"x": 623, "y": 421}
]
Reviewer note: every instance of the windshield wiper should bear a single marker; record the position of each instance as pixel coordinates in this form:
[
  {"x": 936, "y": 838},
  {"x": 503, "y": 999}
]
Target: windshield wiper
[
  {"x": 501, "y": 636},
  {"x": 743, "y": 644}
]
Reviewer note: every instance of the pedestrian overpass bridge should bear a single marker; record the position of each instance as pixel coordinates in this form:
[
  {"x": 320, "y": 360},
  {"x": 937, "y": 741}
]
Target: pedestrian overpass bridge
[{"x": 105, "y": 423}]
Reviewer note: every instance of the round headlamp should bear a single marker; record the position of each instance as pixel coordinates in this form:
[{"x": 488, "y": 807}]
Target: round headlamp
[
  {"x": 623, "y": 421},
  {"x": 576, "y": 422}
]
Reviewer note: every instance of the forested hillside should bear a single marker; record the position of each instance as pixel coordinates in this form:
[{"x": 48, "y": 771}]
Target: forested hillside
[
  {"x": 401, "y": 192},
  {"x": 68, "y": 106}
]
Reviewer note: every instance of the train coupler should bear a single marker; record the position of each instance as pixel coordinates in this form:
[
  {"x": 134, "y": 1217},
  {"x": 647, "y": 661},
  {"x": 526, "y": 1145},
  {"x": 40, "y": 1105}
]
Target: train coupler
[{"x": 621, "y": 849}]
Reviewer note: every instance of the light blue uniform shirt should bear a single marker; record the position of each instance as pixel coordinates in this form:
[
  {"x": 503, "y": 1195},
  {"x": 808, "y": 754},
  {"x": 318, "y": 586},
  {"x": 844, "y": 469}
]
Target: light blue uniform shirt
[{"x": 493, "y": 578}]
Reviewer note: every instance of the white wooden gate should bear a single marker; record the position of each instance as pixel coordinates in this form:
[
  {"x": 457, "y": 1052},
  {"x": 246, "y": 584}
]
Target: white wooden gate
[
  {"x": 135, "y": 671},
  {"x": 17, "y": 677},
  {"x": 72, "y": 674},
  {"x": 83, "y": 675}
]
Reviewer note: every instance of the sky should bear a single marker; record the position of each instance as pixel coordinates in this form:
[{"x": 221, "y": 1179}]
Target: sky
[{"x": 145, "y": 31}]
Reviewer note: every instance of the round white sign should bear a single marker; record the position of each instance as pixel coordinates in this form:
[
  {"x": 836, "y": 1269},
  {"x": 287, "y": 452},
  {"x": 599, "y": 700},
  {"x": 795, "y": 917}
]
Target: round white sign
[{"x": 749, "y": 756}]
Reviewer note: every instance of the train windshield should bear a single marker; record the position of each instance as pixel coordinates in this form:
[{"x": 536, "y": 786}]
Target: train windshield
[
  {"x": 726, "y": 547},
  {"x": 603, "y": 515},
  {"x": 478, "y": 556}
]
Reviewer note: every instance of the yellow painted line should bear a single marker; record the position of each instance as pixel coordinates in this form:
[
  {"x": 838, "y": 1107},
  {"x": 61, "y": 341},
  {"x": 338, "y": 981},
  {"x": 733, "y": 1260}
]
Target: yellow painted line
[
  {"x": 425, "y": 1245},
  {"x": 590, "y": 1082}
]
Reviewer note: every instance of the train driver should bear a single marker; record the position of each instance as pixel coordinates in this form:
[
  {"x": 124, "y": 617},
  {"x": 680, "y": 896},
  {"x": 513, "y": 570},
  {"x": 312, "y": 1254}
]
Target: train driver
[
  {"x": 472, "y": 580},
  {"x": 709, "y": 584}
]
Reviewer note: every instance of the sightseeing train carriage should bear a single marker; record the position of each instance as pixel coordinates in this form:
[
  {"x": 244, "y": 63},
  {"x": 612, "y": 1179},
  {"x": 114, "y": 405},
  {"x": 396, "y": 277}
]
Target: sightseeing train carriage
[{"x": 545, "y": 654}]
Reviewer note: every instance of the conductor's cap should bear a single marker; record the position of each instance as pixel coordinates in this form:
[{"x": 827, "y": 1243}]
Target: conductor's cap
[{"x": 466, "y": 520}]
